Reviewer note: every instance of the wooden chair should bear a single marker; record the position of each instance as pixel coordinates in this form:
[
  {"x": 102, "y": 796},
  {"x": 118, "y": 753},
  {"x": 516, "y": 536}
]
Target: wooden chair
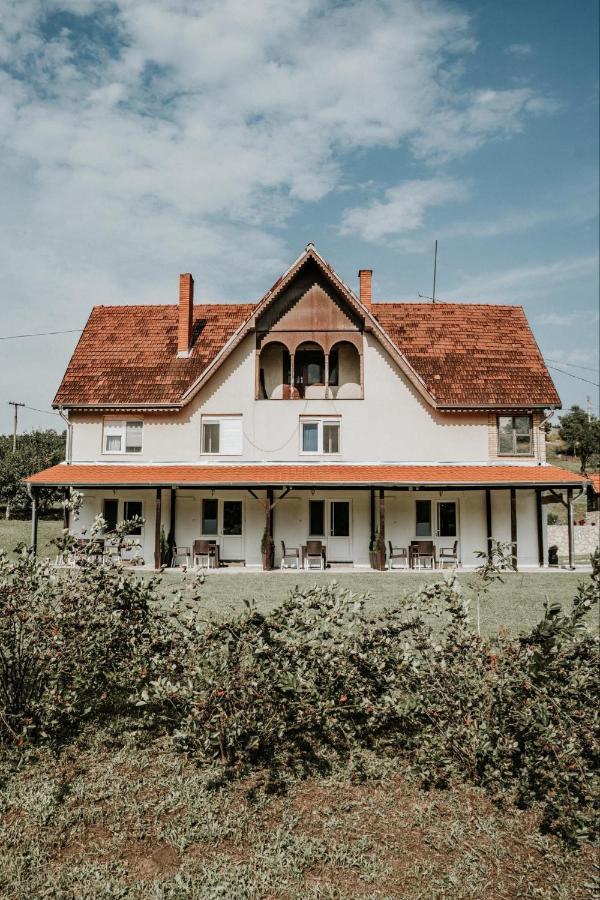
[
  {"x": 291, "y": 553},
  {"x": 400, "y": 554},
  {"x": 205, "y": 554},
  {"x": 422, "y": 555},
  {"x": 314, "y": 555},
  {"x": 448, "y": 555}
]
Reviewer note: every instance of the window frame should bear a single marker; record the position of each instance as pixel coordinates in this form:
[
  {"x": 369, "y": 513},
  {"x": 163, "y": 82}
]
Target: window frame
[
  {"x": 113, "y": 423},
  {"x": 320, "y": 421},
  {"x": 217, "y": 420},
  {"x": 515, "y": 451}
]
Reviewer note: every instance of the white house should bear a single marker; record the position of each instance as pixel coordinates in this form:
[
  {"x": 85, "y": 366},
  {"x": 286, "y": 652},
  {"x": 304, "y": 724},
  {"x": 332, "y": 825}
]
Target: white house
[{"x": 314, "y": 414}]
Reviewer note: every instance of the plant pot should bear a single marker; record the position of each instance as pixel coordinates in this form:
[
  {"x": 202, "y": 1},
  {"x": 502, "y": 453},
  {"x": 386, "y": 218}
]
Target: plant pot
[
  {"x": 377, "y": 560},
  {"x": 268, "y": 559}
]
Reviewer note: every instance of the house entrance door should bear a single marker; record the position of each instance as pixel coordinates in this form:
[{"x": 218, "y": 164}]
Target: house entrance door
[
  {"x": 232, "y": 530},
  {"x": 339, "y": 542},
  {"x": 446, "y": 524}
]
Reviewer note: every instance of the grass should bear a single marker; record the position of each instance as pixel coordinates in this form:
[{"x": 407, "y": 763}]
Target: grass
[
  {"x": 134, "y": 821},
  {"x": 17, "y": 531}
]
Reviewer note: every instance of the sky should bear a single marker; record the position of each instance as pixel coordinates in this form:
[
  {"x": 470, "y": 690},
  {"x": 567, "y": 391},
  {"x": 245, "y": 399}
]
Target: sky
[{"x": 143, "y": 138}]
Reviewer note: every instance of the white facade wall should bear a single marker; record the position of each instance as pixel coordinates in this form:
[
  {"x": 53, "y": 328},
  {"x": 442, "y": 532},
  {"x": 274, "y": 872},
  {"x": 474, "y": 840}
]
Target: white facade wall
[{"x": 392, "y": 424}]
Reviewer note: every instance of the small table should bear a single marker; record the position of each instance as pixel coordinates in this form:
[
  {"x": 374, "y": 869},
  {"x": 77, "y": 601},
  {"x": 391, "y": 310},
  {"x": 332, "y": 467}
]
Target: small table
[
  {"x": 323, "y": 555},
  {"x": 414, "y": 555}
]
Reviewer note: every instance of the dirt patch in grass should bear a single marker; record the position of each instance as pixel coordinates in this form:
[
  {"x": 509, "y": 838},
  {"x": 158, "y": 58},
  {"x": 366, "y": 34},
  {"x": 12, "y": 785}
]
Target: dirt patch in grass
[{"x": 145, "y": 861}]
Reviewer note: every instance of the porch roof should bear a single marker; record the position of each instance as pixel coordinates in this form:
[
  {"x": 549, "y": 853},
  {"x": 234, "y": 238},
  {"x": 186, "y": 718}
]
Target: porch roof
[{"x": 305, "y": 475}]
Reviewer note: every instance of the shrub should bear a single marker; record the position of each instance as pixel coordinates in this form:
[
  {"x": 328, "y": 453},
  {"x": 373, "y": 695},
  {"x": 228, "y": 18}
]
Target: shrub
[
  {"x": 319, "y": 675},
  {"x": 69, "y": 644}
]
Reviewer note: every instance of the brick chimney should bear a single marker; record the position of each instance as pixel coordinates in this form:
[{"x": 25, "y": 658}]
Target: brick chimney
[
  {"x": 186, "y": 314},
  {"x": 365, "y": 290}
]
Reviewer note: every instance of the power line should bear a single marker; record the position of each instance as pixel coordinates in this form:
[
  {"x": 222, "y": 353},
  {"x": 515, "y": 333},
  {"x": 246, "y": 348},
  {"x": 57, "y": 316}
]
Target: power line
[
  {"x": 572, "y": 365},
  {"x": 45, "y": 411},
  {"x": 570, "y": 374},
  {"x": 12, "y": 337}
]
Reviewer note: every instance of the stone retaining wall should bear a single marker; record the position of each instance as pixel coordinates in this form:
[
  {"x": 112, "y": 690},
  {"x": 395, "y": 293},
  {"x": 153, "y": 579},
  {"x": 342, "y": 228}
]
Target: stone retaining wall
[{"x": 586, "y": 538}]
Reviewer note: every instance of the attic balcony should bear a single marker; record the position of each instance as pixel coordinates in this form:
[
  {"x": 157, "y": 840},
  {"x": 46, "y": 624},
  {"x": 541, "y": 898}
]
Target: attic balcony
[{"x": 310, "y": 370}]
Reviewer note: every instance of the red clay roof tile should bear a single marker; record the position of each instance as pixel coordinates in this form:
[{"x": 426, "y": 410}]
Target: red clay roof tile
[{"x": 303, "y": 474}]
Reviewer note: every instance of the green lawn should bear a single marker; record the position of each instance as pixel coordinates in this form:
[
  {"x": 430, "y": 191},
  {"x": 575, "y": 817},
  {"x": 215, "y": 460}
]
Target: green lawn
[{"x": 516, "y": 604}]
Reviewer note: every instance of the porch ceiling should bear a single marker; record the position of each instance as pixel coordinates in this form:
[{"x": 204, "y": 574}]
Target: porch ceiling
[{"x": 305, "y": 475}]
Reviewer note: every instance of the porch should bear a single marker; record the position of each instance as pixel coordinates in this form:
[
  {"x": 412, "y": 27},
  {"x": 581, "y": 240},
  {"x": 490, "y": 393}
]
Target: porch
[{"x": 351, "y": 510}]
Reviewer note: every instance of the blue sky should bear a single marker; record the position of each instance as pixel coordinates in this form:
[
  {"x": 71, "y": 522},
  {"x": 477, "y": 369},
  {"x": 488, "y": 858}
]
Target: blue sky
[{"x": 141, "y": 138}]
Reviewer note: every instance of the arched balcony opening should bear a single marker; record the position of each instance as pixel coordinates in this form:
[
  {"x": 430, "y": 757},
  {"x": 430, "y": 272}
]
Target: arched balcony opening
[
  {"x": 310, "y": 371},
  {"x": 274, "y": 372},
  {"x": 345, "y": 372}
]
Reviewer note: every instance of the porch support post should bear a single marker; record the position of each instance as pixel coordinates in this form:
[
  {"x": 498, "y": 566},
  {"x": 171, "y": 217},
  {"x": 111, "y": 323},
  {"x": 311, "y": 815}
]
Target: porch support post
[
  {"x": 326, "y": 372},
  {"x": 513, "y": 527},
  {"x": 570, "y": 525},
  {"x": 268, "y": 560},
  {"x": 34, "y": 519},
  {"x": 157, "y": 524},
  {"x": 171, "y": 539},
  {"x": 292, "y": 375},
  {"x": 540, "y": 527},
  {"x": 372, "y": 517},
  {"x": 382, "y": 526},
  {"x": 66, "y": 510},
  {"x": 488, "y": 520}
]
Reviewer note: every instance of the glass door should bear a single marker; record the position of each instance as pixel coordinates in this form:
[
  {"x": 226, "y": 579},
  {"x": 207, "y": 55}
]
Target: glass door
[
  {"x": 232, "y": 531},
  {"x": 339, "y": 544},
  {"x": 446, "y": 531}
]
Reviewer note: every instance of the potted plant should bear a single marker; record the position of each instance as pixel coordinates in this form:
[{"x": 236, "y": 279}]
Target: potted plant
[
  {"x": 267, "y": 549},
  {"x": 377, "y": 553},
  {"x": 553, "y": 555}
]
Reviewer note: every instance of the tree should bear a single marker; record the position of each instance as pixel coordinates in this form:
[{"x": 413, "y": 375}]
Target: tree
[
  {"x": 581, "y": 435},
  {"x": 36, "y": 450}
]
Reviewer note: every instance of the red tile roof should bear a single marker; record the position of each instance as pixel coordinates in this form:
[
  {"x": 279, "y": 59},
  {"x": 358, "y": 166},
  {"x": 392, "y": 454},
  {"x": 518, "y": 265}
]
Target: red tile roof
[
  {"x": 128, "y": 354},
  {"x": 304, "y": 474},
  {"x": 470, "y": 354},
  {"x": 595, "y": 479}
]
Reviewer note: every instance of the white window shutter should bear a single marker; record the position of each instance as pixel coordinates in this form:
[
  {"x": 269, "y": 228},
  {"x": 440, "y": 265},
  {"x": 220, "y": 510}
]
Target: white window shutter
[{"x": 231, "y": 442}]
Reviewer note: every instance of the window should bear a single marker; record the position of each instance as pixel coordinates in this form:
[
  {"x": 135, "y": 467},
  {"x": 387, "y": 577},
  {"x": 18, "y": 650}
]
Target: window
[
  {"x": 110, "y": 513},
  {"x": 320, "y": 436},
  {"x": 123, "y": 436},
  {"x": 316, "y": 516},
  {"x": 446, "y": 518},
  {"x": 222, "y": 435},
  {"x": 423, "y": 518},
  {"x": 131, "y": 509},
  {"x": 514, "y": 436},
  {"x": 210, "y": 512}
]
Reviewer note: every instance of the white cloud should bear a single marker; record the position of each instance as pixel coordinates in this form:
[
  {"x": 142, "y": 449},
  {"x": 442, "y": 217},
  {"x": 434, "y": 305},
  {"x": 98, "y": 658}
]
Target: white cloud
[
  {"x": 402, "y": 209},
  {"x": 145, "y": 137},
  {"x": 523, "y": 283},
  {"x": 522, "y": 51},
  {"x": 559, "y": 319}
]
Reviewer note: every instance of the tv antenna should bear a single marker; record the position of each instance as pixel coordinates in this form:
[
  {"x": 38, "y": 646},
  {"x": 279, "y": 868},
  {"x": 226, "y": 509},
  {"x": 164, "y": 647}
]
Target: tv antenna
[{"x": 424, "y": 296}]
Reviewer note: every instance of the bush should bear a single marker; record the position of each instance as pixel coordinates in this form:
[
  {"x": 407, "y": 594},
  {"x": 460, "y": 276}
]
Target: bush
[
  {"x": 70, "y": 645},
  {"x": 315, "y": 679},
  {"x": 319, "y": 675}
]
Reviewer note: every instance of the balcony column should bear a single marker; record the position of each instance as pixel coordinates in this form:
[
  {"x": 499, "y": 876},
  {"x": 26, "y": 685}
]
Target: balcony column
[
  {"x": 326, "y": 374},
  {"x": 382, "y": 527},
  {"x": 292, "y": 374},
  {"x": 513, "y": 528},
  {"x": 571, "y": 534},
  {"x": 540, "y": 527},
  {"x": 34, "y": 519},
  {"x": 171, "y": 539},
  {"x": 157, "y": 523},
  {"x": 488, "y": 521}
]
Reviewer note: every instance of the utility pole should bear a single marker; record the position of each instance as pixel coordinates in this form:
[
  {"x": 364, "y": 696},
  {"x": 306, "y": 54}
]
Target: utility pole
[{"x": 15, "y": 422}]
